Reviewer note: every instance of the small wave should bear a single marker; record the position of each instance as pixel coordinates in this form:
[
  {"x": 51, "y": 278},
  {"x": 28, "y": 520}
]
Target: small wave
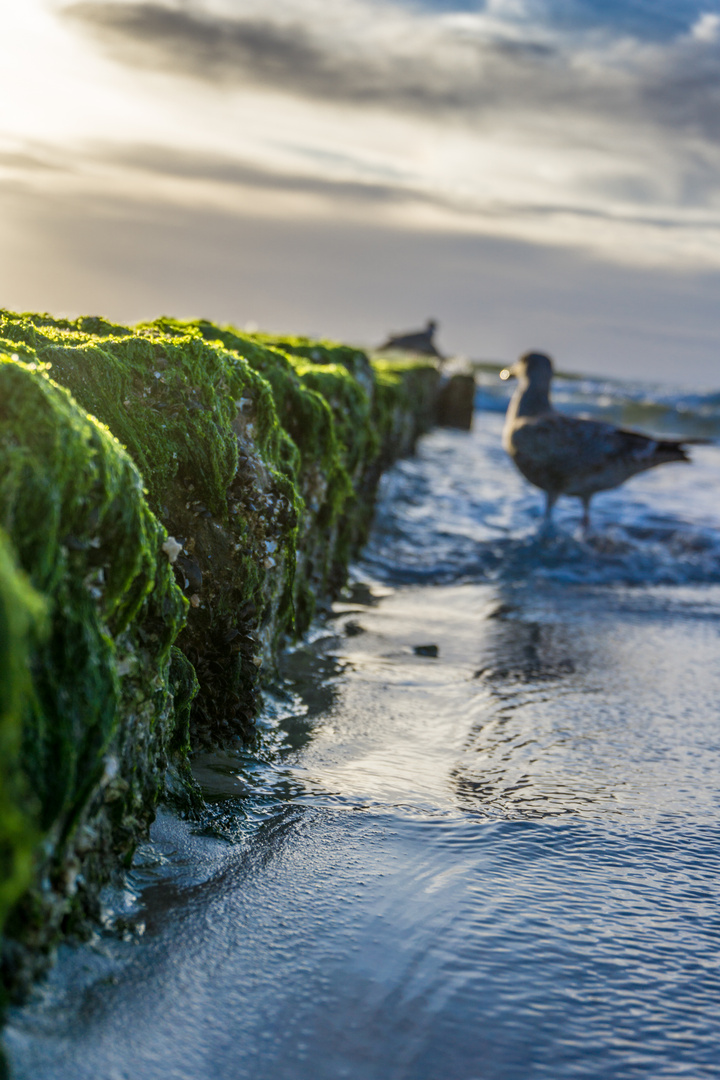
[{"x": 618, "y": 557}]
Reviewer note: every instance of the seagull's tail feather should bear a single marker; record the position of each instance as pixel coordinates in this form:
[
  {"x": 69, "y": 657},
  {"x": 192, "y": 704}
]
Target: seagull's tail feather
[
  {"x": 691, "y": 441},
  {"x": 670, "y": 450},
  {"x": 675, "y": 449}
]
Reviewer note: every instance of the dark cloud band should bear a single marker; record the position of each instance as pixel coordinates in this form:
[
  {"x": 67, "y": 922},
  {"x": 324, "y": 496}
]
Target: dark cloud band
[
  {"x": 429, "y": 67},
  {"x": 245, "y": 175},
  {"x": 293, "y": 57}
]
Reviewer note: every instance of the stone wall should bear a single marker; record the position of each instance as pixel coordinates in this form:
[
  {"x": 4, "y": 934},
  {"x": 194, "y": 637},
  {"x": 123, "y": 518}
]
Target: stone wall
[{"x": 176, "y": 501}]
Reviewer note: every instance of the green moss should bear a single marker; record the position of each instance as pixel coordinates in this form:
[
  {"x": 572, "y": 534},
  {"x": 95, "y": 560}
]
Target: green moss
[
  {"x": 351, "y": 408},
  {"x": 100, "y": 720},
  {"x": 22, "y": 615},
  {"x": 200, "y": 422},
  {"x": 326, "y": 414},
  {"x": 403, "y": 405},
  {"x": 354, "y": 360},
  {"x": 181, "y": 788},
  {"x": 188, "y": 391},
  {"x": 260, "y": 454},
  {"x": 304, "y": 416},
  {"x": 71, "y": 501}
]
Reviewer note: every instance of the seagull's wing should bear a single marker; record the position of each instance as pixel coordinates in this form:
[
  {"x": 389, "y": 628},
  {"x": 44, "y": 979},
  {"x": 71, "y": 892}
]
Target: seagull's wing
[
  {"x": 559, "y": 439},
  {"x": 567, "y": 453}
]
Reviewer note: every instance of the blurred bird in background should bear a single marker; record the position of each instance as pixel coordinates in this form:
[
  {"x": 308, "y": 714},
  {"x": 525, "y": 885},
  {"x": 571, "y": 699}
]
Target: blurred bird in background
[{"x": 567, "y": 455}]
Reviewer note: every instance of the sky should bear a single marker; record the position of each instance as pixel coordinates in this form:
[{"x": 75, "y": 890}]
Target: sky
[{"x": 536, "y": 174}]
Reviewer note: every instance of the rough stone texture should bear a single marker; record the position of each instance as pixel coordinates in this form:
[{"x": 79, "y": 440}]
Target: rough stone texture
[{"x": 187, "y": 509}]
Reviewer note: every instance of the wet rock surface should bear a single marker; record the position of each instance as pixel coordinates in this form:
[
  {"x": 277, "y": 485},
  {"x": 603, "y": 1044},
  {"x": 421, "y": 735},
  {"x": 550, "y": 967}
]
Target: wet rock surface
[{"x": 455, "y": 401}]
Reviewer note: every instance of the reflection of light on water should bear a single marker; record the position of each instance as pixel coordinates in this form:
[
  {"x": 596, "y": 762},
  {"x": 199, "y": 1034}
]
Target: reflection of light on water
[{"x": 527, "y": 712}]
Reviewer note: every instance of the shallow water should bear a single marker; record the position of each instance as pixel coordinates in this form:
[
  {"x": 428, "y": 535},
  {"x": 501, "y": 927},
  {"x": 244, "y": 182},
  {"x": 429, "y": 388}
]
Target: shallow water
[{"x": 500, "y": 861}]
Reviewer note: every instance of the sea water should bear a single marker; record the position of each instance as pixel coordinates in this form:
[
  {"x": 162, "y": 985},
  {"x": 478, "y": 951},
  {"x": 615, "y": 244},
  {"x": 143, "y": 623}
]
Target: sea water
[{"x": 481, "y": 840}]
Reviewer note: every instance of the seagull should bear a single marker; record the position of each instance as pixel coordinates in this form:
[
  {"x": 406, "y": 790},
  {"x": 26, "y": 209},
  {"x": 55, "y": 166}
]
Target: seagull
[
  {"x": 416, "y": 341},
  {"x": 566, "y": 455}
]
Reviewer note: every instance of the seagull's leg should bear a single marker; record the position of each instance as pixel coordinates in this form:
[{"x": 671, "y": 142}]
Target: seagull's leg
[
  {"x": 547, "y": 528},
  {"x": 585, "y": 499}
]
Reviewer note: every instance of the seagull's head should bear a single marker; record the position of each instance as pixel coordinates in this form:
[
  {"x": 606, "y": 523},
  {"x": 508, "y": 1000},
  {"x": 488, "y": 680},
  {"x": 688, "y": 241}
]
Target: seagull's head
[{"x": 534, "y": 367}]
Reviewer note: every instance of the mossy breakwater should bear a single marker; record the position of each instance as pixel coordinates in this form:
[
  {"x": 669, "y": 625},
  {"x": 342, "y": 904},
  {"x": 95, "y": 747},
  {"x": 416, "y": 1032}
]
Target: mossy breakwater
[{"x": 176, "y": 500}]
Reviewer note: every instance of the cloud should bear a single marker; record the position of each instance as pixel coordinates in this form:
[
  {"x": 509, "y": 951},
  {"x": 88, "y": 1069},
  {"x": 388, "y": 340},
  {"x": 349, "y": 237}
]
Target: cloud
[
  {"x": 389, "y": 58},
  {"x": 205, "y": 47},
  {"x": 22, "y": 162},
  {"x": 679, "y": 86},
  {"x": 707, "y": 28},
  {"x": 499, "y": 121},
  {"x": 188, "y": 180},
  {"x": 224, "y": 169},
  {"x": 227, "y": 170},
  {"x": 606, "y": 223},
  {"x": 477, "y": 66}
]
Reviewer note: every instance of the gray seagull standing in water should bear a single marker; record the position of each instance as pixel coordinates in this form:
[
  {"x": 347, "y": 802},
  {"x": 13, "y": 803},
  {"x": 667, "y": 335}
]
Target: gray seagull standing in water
[{"x": 566, "y": 455}]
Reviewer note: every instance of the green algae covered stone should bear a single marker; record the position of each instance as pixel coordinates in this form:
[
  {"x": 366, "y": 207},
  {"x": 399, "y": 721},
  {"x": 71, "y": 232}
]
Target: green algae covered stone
[
  {"x": 98, "y": 724},
  {"x": 22, "y": 620},
  {"x": 184, "y": 512},
  {"x": 261, "y": 456}
]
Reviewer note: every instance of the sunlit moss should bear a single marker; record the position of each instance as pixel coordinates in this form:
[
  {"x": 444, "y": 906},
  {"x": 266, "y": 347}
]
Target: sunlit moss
[
  {"x": 100, "y": 719},
  {"x": 22, "y": 620},
  {"x": 260, "y": 453}
]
